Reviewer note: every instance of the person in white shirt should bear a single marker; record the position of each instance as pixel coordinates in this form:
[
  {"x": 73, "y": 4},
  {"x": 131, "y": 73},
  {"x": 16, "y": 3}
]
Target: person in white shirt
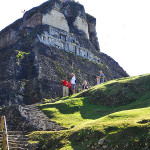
[{"x": 73, "y": 82}]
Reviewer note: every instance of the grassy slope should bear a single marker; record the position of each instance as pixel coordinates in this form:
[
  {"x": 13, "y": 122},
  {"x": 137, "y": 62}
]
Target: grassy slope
[{"x": 122, "y": 126}]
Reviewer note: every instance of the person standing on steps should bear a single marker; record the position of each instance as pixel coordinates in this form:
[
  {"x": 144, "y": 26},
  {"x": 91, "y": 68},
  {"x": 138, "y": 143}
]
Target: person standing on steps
[
  {"x": 101, "y": 77},
  {"x": 73, "y": 82},
  {"x": 65, "y": 87}
]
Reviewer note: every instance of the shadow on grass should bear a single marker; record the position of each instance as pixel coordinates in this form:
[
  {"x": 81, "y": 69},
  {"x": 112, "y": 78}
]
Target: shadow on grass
[{"x": 92, "y": 111}]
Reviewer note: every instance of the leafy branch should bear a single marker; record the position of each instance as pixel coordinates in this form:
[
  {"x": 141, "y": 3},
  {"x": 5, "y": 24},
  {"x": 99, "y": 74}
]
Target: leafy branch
[{"x": 20, "y": 55}]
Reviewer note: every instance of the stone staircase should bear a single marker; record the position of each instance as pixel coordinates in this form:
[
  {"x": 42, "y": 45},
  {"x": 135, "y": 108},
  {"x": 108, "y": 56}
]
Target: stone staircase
[
  {"x": 38, "y": 119},
  {"x": 17, "y": 140},
  {"x": 19, "y": 121}
]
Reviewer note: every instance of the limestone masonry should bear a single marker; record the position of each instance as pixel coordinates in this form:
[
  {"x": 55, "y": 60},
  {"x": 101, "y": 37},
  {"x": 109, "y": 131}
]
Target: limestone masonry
[
  {"x": 47, "y": 44},
  {"x": 65, "y": 41}
]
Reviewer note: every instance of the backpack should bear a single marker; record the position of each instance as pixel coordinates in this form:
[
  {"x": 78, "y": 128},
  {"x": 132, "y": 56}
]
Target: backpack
[{"x": 75, "y": 81}]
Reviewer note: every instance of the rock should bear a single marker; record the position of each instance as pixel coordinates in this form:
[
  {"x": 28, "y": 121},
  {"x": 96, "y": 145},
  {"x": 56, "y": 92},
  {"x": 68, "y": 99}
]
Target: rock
[
  {"x": 88, "y": 146},
  {"x": 108, "y": 141},
  {"x": 44, "y": 147},
  {"x": 101, "y": 142},
  {"x": 127, "y": 145},
  {"x": 33, "y": 146},
  {"x": 104, "y": 146}
]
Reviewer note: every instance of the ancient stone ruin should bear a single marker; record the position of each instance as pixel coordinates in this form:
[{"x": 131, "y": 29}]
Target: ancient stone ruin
[
  {"x": 66, "y": 41},
  {"x": 49, "y": 43}
]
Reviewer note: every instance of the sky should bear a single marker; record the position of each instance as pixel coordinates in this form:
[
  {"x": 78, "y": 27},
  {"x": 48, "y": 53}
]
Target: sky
[{"x": 123, "y": 28}]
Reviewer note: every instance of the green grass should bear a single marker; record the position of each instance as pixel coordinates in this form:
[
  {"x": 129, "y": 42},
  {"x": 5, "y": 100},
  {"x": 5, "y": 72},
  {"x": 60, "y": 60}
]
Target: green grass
[
  {"x": 120, "y": 91},
  {"x": 123, "y": 125}
]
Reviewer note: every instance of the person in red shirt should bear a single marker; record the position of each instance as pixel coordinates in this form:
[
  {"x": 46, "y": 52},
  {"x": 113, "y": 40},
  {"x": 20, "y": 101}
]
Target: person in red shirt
[{"x": 65, "y": 87}]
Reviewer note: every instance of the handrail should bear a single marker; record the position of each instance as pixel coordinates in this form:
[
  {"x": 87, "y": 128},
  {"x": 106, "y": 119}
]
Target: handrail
[{"x": 5, "y": 133}]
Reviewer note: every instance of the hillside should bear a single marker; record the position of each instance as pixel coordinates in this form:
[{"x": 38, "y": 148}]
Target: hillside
[{"x": 93, "y": 125}]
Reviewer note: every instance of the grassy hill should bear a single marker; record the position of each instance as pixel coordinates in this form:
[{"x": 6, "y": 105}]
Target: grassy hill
[{"x": 113, "y": 115}]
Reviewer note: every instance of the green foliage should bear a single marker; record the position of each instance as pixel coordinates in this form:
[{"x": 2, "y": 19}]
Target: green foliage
[{"x": 20, "y": 55}]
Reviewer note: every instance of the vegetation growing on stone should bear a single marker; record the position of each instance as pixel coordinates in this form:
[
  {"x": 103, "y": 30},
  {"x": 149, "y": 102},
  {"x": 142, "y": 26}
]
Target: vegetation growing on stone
[{"x": 20, "y": 55}]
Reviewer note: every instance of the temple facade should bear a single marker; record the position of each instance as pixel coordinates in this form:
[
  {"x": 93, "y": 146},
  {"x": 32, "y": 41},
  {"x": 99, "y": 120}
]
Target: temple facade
[{"x": 67, "y": 42}]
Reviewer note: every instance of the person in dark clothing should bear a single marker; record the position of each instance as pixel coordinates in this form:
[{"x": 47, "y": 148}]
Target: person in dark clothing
[
  {"x": 84, "y": 85},
  {"x": 70, "y": 89},
  {"x": 101, "y": 77}
]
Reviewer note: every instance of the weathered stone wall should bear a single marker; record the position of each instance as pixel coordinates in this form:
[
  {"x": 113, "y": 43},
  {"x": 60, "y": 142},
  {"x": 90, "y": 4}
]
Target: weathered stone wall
[
  {"x": 37, "y": 118},
  {"x": 39, "y": 74},
  {"x": 76, "y": 18},
  {"x": 34, "y": 20},
  {"x": 81, "y": 24},
  {"x": 70, "y": 17},
  {"x": 92, "y": 31},
  {"x": 55, "y": 64},
  {"x": 65, "y": 41},
  {"x": 11, "y": 84},
  {"x": 8, "y": 38},
  {"x": 56, "y": 19},
  {"x": 15, "y": 122}
]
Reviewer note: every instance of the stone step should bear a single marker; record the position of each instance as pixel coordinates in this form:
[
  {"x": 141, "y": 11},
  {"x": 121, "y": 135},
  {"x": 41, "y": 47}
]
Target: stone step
[
  {"x": 18, "y": 148},
  {"x": 38, "y": 119},
  {"x": 18, "y": 140},
  {"x": 18, "y": 133},
  {"x": 23, "y": 145},
  {"x": 17, "y": 136},
  {"x": 18, "y": 145}
]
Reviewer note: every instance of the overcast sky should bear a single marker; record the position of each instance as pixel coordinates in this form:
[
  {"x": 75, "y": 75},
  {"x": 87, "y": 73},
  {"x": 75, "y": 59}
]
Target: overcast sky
[{"x": 123, "y": 28}]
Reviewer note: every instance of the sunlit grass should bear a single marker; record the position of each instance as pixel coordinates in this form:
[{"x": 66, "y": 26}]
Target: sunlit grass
[{"x": 122, "y": 124}]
